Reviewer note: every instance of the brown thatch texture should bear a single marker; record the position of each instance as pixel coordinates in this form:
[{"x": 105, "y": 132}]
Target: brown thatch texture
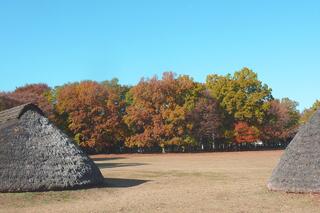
[
  {"x": 36, "y": 156},
  {"x": 299, "y": 167}
]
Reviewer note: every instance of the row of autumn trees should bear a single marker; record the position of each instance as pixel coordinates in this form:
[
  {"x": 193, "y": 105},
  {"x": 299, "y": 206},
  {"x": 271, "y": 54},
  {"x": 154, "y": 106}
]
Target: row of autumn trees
[{"x": 171, "y": 113}]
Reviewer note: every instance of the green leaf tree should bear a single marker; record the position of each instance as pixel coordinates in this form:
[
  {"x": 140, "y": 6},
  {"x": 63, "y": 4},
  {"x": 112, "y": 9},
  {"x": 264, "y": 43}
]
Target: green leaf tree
[
  {"x": 242, "y": 96},
  {"x": 307, "y": 113}
]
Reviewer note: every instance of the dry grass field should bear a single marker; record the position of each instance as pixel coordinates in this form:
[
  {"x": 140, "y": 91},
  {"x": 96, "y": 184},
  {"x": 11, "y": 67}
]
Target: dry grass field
[{"x": 209, "y": 182}]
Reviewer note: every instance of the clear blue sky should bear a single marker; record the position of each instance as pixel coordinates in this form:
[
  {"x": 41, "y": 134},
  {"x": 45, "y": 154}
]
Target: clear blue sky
[{"x": 58, "y": 41}]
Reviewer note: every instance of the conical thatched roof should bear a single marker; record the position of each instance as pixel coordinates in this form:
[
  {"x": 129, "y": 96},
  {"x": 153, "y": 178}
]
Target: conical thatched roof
[
  {"x": 299, "y": 167},
  {"x": 36, "y": 156}
]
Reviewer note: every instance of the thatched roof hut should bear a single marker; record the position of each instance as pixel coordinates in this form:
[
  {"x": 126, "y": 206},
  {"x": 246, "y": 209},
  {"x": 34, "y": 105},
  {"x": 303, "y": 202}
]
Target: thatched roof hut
[
  {"x": 36, "y": 156},
  {"x": 299, "y": 166}
]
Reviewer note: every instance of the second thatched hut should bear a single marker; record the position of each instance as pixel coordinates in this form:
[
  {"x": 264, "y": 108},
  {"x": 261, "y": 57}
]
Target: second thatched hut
[{"x": 299, "y": 166}]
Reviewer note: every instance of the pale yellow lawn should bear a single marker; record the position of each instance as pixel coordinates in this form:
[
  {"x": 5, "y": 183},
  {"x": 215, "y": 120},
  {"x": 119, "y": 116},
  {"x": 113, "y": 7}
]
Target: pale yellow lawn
[{"x": 211, "y": 182}]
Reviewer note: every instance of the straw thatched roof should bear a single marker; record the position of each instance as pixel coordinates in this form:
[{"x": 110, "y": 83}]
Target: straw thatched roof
[
  {"x": 299, "y": 166},
  {"x": 36, "y": 156}
]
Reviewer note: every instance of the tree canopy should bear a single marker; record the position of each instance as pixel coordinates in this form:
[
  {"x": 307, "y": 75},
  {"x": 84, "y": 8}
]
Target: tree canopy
[
  {"x": 242, "y": 95},
  {"x": 173, "y": 111},
  {"x": 158, "y": 111}
]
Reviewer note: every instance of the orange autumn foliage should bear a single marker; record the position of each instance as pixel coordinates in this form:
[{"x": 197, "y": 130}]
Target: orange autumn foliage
[
  {"x": 244, "y": 133},
  {"x": 157, "y": 114},
  {"x": 92, "y": 114}
]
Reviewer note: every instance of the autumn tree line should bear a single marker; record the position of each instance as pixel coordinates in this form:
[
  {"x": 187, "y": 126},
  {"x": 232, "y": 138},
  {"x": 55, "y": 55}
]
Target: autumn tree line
[{"x": 171, "y": 113}]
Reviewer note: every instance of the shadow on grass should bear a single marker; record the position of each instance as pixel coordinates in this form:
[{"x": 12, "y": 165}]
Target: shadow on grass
[
  {"x": 97, "y": 159},
  {"x": 115, "y": 165},
  {"x": 122, "y": 183}
]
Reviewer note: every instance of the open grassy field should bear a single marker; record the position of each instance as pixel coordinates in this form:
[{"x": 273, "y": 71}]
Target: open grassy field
[{"x": 209, "y": 182}]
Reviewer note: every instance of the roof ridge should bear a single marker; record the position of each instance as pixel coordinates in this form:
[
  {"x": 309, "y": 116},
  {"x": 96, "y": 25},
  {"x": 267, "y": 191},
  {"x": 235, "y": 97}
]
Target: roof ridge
[{"x": 18, "y": 111}]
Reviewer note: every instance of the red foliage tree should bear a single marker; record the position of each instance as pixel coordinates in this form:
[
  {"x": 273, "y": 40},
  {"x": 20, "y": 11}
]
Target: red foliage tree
[
  {"x": 6, "y": 103},
  {"x": 282, "y": 121},
  {"x": 206, "y": 119},
  {"x": 34, "y": 93},
  {"x": 244, "y": 133}
]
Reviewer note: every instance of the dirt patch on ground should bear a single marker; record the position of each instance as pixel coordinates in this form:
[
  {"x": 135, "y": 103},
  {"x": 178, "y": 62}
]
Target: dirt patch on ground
[{"x": 206, "y": 182}]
